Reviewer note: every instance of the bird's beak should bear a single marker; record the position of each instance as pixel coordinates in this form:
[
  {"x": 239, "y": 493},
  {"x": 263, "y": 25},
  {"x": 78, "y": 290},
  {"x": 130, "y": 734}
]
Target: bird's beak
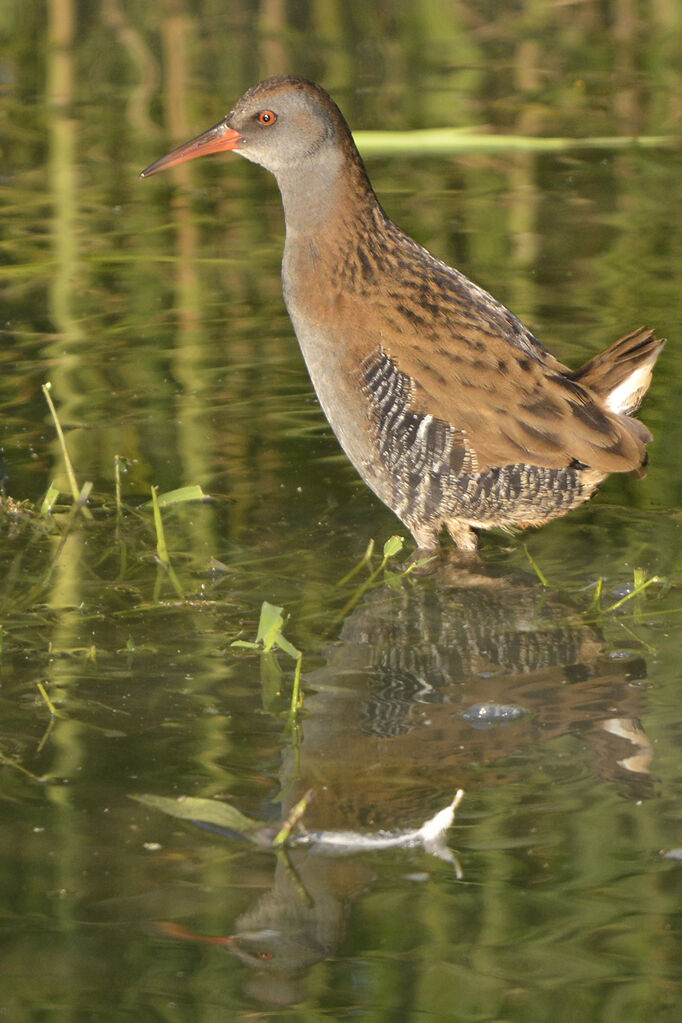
[{"x": 216, "y": 140}]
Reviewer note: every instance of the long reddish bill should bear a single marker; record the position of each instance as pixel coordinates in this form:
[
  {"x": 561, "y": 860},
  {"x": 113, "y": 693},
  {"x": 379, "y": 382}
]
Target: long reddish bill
[
  {"x": 216, "y": 140},
  {"x": 173, "y": 930}
]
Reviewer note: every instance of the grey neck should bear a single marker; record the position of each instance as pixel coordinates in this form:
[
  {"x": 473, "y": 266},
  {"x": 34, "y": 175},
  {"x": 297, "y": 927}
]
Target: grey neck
[{"x": 319, "y": 191}]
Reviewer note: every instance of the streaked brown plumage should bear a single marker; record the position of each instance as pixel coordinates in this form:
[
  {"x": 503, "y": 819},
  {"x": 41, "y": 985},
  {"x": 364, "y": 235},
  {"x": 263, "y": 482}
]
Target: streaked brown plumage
[{"x": 448, "y": 407}]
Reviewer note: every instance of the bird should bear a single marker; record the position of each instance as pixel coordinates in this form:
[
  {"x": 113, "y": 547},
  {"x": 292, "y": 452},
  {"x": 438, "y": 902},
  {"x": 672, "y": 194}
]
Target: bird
[{"x": 449, "y": 408}]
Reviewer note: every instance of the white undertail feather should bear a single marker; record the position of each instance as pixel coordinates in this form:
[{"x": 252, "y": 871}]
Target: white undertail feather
[{"x": 627, "y": 396}]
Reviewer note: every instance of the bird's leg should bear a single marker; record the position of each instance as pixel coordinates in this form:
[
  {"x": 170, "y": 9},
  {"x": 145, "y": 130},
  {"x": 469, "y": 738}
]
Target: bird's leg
[{"x": 463, "y": 536}]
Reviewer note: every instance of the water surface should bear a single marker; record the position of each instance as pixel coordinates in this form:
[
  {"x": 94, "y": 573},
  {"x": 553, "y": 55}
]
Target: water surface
[{"x": 154, "y": 309}]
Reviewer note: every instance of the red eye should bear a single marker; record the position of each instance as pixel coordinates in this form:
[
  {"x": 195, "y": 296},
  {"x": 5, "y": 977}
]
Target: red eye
[{"x": 267, "y": 117}]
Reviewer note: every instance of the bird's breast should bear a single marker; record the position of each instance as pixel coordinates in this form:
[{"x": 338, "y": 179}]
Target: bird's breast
[{"x": 334, "y": 342}]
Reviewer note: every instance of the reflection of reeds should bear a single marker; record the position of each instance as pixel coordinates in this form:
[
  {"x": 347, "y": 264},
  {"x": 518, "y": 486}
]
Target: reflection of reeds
[
  {"x": 63, "y": 179},
  {"x": 139, "y": 54},
  {"x": 187, "y": 358},
  {"x": 65, "y": 591}
]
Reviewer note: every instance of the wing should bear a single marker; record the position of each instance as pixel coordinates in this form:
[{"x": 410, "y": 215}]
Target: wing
[
  {"x": 511, "y": 409},
  {"x": 435, "y": 345},
  {"x": 508, "y": 403}
]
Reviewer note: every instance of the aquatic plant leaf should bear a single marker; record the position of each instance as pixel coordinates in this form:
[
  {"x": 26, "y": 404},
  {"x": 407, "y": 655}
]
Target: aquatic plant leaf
[
  {"x": 393, "y": 546},
  {"x": 286, "y": 646},
  {"x": 180, "y": 496},
  {"x": 49, "y": 500},
  {"x": 269, "y": 633},
  {"x": 270, "y": 623},
  {"x": 208, "y": 811}
]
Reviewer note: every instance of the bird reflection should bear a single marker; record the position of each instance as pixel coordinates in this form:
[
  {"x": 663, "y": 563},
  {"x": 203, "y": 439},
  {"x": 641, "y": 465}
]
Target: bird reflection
[
  {"x": 429, "y": 682},
  {"x": 429, "y": 686}
]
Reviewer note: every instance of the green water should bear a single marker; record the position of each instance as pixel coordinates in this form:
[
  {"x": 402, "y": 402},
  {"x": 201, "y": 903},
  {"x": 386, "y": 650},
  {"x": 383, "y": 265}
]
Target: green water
[{"x": 154, "y": 309}]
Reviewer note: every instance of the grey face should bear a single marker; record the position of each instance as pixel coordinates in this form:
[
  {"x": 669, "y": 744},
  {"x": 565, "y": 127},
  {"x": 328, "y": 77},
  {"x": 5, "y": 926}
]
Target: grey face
[
  {"x": 280, "y": 129},
  {"x": 282, "y": 124}
]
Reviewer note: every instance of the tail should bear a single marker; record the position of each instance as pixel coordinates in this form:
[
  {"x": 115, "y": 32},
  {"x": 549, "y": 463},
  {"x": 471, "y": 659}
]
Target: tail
[
  {"x": 621, "y": 375},
  {"x": 620, "y": 378}
]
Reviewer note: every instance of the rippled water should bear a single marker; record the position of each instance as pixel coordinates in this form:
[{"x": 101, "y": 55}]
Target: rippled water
[{"x": 154, "y": 309}]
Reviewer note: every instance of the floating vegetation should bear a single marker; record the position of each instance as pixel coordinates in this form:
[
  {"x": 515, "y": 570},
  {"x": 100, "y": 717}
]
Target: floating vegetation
[
  {"x": 62, "y": 516},
  {"x": 162, "y": 548},
  {"x": 596, "y": 611},
  {"x": 378, "y": 575},
  {"x": 75, "y": 492},
  {"x": 269, "y": 638},
  {"x": 639, "y": 585},
  {"x": 231, "y": 823},
  {"x": 269, "y": 635}
]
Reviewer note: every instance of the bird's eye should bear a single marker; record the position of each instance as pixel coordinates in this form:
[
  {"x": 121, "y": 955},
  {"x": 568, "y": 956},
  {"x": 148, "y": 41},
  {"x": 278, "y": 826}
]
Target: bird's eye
[{"x": 266, "y": 117}]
